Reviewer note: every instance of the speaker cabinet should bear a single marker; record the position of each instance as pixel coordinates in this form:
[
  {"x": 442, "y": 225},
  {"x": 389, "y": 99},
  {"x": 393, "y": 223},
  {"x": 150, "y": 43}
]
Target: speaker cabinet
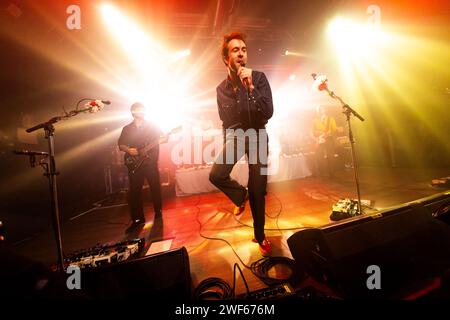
[
  {"x": 406, "y": 243},
  {"x": 162, "y": 276}
]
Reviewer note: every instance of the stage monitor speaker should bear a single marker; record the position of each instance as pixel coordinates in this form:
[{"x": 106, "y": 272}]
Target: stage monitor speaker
[
  {"x": 163, "y": 276},
  {"x": 406, "y": 243},
  {"x": 438, "y": 205}
]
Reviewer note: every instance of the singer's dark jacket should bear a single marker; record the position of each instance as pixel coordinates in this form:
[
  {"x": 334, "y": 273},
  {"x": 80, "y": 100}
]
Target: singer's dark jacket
[{"x": 236, "y": 112}]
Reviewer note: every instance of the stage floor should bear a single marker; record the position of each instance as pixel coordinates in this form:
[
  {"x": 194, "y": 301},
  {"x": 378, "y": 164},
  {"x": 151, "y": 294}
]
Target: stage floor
[{"x": 291, "y": 206}]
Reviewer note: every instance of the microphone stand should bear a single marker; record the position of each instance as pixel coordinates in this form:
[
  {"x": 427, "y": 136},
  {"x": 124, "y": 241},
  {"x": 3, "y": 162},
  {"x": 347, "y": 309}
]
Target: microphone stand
[
  {"x": 51, "y": 173},
  {"x": 348, "y": 111}
]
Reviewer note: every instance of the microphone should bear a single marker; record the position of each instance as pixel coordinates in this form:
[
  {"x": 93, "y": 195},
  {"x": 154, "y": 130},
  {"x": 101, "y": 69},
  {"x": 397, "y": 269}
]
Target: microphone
[
  {"x": 96, "y": 105},
  {"x": 31, "y": 153},
  {"x": 245, "y": 81},
  {"x": 320, "y": 82}
]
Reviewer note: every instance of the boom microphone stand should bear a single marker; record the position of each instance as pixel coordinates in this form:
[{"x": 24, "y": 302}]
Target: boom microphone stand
[
  {"x": 322, "y": 85},
  {"x": 50, "y": 168}
]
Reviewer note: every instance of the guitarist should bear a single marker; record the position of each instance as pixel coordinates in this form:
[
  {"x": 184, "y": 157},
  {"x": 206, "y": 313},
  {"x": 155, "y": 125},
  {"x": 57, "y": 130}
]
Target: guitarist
[
  {"x": 323, "y": 133},
  {"x": 134, "y": 136}
]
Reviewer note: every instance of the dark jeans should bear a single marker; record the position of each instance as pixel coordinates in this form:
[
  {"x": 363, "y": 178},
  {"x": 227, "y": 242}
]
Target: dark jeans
[
  {"x": 148, "y": 170},
  {"x": 234, "y": 149},
  {"x": 325, "y": 158}
]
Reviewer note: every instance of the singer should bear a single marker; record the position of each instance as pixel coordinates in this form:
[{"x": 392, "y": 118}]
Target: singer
[
  {"x": 245, "y": 105},
  {"x": 136, "y": 135}
]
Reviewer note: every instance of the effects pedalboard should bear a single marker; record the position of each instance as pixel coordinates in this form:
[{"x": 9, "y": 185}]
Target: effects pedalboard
[
  {"x": 272, "y": 293},
  {"x": 284, "y": 292},
  {"x": 343, "y": 209},
  {"x": 101, "y": 255}
]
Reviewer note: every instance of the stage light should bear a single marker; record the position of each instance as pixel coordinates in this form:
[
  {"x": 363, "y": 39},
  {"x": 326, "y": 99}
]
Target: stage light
[
  {"x": 157, "y": 70},
  {"x": 180, "y": 54},
  {"x": 292, "y": 77},
  {"x": 294, "y": 53},
  {"x": 152, "y": 82},
  {"x": 376, "y": 64},
  {"x": 354, "y": 39},
  {"x": 185, "y": 52},
  {"x": 143, "y": 52}
]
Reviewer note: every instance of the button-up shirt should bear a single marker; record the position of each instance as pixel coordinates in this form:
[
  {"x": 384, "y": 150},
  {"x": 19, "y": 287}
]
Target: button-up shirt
[
  {"x": 137, "y": 137},
  {"x": 239, "y": 108}
]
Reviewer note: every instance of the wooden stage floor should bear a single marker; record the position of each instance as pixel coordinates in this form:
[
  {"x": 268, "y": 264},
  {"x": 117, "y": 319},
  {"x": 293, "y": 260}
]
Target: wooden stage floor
[{"x": 291, "y": 206}]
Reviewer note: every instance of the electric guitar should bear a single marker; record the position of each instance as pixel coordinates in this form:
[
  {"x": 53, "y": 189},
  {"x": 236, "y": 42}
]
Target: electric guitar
[
  {"x": 321, "y": 138},
  {"x": 133, "y": 163},
  {"x": 324, "y": 133}
]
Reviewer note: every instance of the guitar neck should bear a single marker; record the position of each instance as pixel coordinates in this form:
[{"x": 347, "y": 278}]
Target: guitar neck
[
  {"x": 149, "y": 147},
  {"x": 156, "y": 142}
]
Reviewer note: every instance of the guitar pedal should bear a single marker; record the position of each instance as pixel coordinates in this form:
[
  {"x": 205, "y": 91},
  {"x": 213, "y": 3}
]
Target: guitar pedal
[{"x": 270, "y": 293}]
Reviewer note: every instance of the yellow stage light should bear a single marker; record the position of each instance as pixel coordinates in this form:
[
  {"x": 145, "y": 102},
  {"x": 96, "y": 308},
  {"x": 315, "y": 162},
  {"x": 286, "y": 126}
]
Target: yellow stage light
[{"x": 387, "y": 71}]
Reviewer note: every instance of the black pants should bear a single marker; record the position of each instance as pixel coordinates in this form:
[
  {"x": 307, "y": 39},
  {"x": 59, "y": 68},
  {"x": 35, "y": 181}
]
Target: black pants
[
  {"x": 148, "y": 170},
  {"x": 325, "y": 158},
  {"x": 257, "y": 181}
]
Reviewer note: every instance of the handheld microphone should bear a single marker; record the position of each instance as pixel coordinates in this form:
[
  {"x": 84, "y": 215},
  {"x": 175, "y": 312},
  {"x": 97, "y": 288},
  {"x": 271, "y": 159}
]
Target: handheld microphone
[{"x": 245, "y": 81}]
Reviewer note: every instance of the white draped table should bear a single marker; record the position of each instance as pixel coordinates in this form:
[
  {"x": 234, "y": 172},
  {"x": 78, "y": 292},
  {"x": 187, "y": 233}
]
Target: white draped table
[{"x": 196, "y": 180}]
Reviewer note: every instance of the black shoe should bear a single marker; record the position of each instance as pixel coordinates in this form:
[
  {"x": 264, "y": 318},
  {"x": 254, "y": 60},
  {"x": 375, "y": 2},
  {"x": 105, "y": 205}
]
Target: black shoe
[{"x": 135, "y": 225}]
